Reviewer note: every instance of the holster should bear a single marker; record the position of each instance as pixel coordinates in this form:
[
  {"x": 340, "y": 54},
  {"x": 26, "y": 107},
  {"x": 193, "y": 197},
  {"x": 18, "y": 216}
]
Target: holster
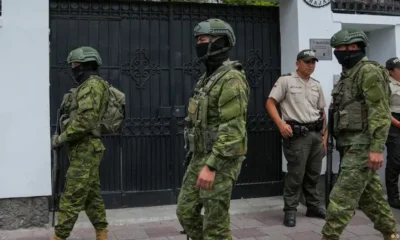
[
  {"x": 302, "y": 129},
  {"x": 299, "y": 130},
  {"x": 296, "y": 130},
  {"x": 319, "y": 125}
]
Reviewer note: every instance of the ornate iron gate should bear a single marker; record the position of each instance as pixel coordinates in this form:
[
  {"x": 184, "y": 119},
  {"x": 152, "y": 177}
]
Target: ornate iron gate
[{"x": 148, "y": 53}]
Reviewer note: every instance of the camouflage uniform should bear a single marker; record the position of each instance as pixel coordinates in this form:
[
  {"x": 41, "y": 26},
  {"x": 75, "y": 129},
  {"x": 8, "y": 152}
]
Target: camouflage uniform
[
  {"x": 82, "y": 110},
  {"x": 361, "y": 123},
  {"x": 216, "y": 135}
]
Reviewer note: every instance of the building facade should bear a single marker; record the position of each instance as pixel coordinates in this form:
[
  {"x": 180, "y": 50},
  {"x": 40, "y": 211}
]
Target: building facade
[
  {"x": 148, "y": 52},
  {"x": 303, "y": 23}
]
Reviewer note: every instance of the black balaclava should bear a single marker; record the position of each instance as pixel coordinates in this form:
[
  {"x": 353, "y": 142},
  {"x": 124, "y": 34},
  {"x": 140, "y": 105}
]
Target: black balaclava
[
  {"x": 213, "y": 61},
  {"x": 349, "y": 58},
  {"x": 83, "y": 71}
]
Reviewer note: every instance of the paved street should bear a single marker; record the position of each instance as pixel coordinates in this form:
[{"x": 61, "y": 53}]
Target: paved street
[{"x": 252, "y": 219}]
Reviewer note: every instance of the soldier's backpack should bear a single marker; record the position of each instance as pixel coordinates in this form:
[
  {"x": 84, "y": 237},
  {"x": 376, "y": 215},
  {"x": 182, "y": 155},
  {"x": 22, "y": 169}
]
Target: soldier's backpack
[{"x": 113, "y": 115}]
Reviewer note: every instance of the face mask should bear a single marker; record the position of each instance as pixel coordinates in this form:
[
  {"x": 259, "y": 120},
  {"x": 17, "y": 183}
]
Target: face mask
[
  {"x": 201, "y": 49},
  {"x": 76, "y": 73},
  {"x": 349, "y": 58},
  {"x": 341, "y": 56}
]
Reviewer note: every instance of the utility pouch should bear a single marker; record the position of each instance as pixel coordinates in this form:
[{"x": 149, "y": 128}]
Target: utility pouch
[
  {"x": 351, "y": 118},
  {"x": 191, "y": 141},
  {"x": 193, "y": 110},
  {"x": 203, "y": 107},
  {"x": 186, "y": 139}
]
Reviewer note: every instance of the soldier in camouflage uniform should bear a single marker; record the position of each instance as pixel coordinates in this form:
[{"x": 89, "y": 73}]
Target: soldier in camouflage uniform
[
  {"x": 79, "y": 129},
  {"x": 215, "y": 135},
  {"x": 361, "y": 116}
]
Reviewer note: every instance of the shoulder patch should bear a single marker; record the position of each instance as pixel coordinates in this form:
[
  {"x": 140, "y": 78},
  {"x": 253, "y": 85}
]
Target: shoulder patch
[{"x": 287, "y": 74}]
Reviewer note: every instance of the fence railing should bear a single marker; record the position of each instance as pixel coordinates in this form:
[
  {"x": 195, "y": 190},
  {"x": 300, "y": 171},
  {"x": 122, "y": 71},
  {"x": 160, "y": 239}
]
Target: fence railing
[{"x": 373, "y": 7}]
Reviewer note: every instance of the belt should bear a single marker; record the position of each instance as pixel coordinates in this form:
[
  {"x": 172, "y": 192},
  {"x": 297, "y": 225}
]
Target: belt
[{"x": 310, "y": 126}]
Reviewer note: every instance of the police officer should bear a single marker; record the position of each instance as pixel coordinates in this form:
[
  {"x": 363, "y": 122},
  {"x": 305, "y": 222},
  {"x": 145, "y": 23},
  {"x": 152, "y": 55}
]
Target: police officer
[
  {"x": 82, "y": 111},
  {"x": 302, "y": 103},
  {"x": 361, "y": 121},
  {"x": 392, "y": 170},
  {"x": 215, "y": 135}
]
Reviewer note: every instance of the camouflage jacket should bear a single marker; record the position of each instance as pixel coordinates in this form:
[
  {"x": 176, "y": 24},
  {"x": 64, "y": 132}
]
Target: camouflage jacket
[
  {"x": 223, "y": 114},
  {"x": 83, "y": 110},
  {"x": 361, "y": 106}
]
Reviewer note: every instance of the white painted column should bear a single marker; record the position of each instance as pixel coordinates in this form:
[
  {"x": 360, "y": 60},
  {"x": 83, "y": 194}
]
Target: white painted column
[
  {"x": 24, "y": 101},
  {"x": 376, "y": 37},
  {"x": 397, "y": 39},
  {"x": 300, "y": 23}
]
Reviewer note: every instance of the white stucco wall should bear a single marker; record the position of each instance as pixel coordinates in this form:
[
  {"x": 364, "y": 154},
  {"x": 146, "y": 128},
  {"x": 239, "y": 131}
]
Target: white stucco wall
[
  {"x": 376, "y": 38},
  {"x": 24, "y": 110}
]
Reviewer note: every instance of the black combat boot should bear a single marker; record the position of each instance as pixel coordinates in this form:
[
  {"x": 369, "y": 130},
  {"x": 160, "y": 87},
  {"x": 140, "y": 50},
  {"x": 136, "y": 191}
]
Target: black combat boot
[
  {"x": 290, "y": 219},
  {"x": 318, "y": 212},
  {"x": 394, "y": 203}
]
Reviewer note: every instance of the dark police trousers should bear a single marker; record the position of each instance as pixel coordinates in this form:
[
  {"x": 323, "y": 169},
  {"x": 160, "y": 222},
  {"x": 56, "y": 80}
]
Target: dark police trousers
[
  {"x": 304, "y": 156},
  {"x": 392, "y": 170}
]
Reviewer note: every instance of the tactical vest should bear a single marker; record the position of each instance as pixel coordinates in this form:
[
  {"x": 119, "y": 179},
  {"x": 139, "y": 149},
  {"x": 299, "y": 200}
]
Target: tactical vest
[
  {"x": 350, "y": 113},
  {"x": 111, "y": 116},
  {"x": 197, "y": 134}
]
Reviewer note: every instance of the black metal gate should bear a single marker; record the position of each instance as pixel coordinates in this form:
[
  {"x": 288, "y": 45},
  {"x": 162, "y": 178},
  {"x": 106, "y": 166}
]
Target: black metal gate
[{"x": 148, "y": 53}]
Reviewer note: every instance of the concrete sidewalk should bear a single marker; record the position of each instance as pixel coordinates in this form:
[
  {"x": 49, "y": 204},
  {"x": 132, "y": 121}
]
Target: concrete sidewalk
[{"x": 251, "y": 219}]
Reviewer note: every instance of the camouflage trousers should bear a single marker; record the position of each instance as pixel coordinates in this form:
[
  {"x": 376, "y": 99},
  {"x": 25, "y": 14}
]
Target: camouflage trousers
[
  {"x": 82, "y": 189},
  {"x": 215, "y": 224},
  {"x": 357, "y": 184}
]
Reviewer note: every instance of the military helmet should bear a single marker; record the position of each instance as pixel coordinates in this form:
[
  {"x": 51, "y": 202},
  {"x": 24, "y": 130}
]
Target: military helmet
[
  {"x": 349, "y": 36},
  {"x": 215, "y": 27},
  {"x": 84, "y": 54}
]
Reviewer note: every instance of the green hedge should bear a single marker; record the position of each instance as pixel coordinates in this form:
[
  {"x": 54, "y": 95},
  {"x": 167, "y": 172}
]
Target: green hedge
[
  {"x": 236, "y": 2},
  {"x": 251, "y": 2}
]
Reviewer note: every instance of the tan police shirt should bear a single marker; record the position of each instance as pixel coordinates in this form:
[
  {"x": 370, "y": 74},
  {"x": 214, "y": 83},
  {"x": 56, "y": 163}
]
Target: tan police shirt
[
  {"x": 300, "y": 100},
  {"x": 395, "y": 99}
]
